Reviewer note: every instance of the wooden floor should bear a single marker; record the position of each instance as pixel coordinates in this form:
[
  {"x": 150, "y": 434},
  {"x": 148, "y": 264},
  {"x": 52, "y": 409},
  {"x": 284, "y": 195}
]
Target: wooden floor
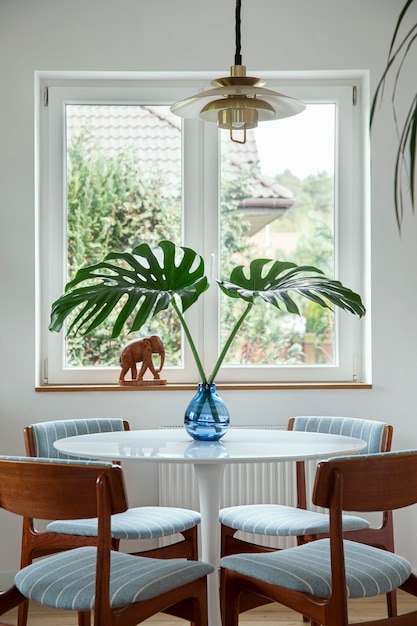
[{"x": 269, "y": 615}]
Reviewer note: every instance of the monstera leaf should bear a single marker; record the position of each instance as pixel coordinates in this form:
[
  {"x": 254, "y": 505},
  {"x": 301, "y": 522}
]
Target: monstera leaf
[
  {"x": 271, "y": 281},
  {"x": 149, "y": 281},
  {"x": 145, "y": 280}
]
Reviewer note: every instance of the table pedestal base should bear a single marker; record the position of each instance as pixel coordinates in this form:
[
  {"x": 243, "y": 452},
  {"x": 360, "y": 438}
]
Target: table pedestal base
[{"x": 210, "y": 480}]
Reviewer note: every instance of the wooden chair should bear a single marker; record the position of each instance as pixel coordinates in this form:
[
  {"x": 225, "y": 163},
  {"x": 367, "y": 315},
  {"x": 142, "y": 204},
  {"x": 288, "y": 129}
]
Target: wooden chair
[
  {"x": 121, "y": 589},
  {"x": 136, "y": 523},
  {"x": 10, "y": 599},
  {"x": 317, "y": 578},
  {"x": 304, "y": 524}
]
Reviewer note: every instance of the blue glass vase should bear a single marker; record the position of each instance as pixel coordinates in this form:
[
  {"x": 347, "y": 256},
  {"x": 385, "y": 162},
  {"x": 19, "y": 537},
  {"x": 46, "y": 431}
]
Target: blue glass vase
[{"x": 206, "y": 417}]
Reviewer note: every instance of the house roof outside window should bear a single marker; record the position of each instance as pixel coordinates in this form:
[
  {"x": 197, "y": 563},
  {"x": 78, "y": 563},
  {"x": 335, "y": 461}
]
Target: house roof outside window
[{"x": 153, "y": 133}]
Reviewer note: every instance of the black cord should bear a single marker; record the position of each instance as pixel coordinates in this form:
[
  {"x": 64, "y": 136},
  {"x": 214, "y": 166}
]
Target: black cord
[{"x": 238, "y": 56}]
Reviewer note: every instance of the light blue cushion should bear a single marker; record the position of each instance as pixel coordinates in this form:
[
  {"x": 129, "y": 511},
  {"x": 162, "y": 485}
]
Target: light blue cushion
[
  {"x": 136, "y": 523},
  {"x": 369, "y": 571},
  {"x": 147, "y": 522},
  {"x": 370, "y": 431},
  {"x": 283, "y": 521},
  {"x": 46, "y": 433},
  {"x": 67, "y": 580}
]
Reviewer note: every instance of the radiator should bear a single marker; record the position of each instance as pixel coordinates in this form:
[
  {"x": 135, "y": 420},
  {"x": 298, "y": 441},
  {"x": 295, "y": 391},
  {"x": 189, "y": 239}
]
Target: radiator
[{"x": 243, "y": 483}]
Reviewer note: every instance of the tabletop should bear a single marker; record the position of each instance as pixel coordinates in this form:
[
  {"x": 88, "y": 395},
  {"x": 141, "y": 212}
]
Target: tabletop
[{"x": 238, "y": 445}]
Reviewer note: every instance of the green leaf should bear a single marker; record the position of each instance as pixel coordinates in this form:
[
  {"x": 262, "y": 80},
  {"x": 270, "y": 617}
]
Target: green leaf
[
  {"x": 271, "y": 281},
  {"x": 399, "y": 50},
  {"x": 146, "y": 281},
  {"x": 149, "y": 281}
]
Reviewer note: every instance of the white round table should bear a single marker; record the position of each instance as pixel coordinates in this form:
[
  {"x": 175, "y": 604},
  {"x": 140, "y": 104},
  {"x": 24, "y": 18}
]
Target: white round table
[{"x": 239, "y": 445}]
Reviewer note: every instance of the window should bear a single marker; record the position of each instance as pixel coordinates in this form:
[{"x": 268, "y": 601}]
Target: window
[{"x": 116, "y": 168}]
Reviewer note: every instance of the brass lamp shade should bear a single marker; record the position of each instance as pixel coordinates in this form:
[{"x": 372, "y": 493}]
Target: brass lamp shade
[{"x": 238, "y": 102}]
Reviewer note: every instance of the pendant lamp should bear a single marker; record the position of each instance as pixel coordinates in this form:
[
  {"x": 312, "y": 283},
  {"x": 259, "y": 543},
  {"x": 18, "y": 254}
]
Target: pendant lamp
[{"x": 238, "y": 102}]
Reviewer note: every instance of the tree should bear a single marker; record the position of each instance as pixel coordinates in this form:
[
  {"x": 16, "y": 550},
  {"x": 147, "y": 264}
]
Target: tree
[{"x": 113, "y": 204}]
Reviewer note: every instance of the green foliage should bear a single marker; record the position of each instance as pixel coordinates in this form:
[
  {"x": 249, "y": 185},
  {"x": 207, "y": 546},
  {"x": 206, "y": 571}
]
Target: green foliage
[
  {"x": 273, "y": 281},
  {"x": 235, "y": 228},
  {"x": 144, "y": 283},
  {"x": 314, "y": 202},
  {"x": 269, "y": 339},
  {"x": 152, "y": 280},
  {"x": 406, "y": 163},
  {"x": 114, "y": 205}
]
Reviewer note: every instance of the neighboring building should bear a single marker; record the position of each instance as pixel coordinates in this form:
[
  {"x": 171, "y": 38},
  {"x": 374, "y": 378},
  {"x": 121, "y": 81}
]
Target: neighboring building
[{"x": 153, "y": 132}]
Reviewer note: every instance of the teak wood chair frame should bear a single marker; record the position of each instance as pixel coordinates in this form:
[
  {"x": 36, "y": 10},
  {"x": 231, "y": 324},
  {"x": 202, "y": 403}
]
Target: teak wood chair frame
[
  {"x": 42, "y": 490},
  {"x": 381, "y": 536},
  {"x": 37, "y": 543},
  {"x": 376, "y": 482}
]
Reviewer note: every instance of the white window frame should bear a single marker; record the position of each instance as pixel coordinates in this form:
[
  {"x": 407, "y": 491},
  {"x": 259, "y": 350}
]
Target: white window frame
[{"x": 200, "y": 221}]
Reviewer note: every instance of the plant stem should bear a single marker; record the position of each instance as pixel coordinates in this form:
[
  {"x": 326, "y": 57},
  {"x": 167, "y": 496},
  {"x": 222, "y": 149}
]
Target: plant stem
[
  {"x": 229, "y": 342},
  {"x": 191, "y": 342},
  {"x": 213, "y": 408}
]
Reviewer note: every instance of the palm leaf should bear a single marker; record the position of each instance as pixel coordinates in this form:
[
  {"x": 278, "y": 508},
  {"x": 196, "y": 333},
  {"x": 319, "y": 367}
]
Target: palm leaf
[
  {"x": 146, "y": 281},
  {"x": 405, "y": 165},
  {"x": 407, "y": 142},
  {"x": 272, "y": 281}
]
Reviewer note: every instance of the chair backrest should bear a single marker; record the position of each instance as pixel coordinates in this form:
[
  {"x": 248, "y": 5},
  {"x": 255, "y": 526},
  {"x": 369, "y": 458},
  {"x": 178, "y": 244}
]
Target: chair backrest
[
  {"x": 39, "y": 438},
  {"x": 59, "y": 489},
  {"x": 62, "y": 489},
  {"x": 364, "y": 483},
  {"x": 378, "y": 436},
  {"x": 367, "y": 483}
]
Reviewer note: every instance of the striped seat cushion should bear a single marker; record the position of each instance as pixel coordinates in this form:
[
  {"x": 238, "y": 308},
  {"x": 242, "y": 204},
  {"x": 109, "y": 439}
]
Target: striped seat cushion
[
  {"x": 369, "y": 571},
  {"x": 67, "y": 580},
  {"x": 285, "y": 521},
  {"x": 136, "y": 523},
  {"x": 147, "y": 522}
]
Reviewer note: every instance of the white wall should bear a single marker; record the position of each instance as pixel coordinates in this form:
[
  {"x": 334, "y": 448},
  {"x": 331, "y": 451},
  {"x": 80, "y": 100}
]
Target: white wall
[{"x": 195, "y": 35}]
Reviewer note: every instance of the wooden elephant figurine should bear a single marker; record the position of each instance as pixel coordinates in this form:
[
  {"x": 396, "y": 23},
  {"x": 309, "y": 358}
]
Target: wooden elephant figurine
[{"x": 138, "y": 351}]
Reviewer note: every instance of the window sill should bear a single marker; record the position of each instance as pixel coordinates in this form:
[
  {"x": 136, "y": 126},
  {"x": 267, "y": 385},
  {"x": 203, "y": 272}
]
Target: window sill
[{"x": 192, "y": 386}]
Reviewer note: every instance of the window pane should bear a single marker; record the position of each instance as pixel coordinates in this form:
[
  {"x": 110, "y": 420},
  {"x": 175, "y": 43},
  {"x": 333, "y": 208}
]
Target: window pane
[
  {"x": 123, "y": 188},
  {"x": 278, "y": 202},
  {"x": 116, "y": 168}
]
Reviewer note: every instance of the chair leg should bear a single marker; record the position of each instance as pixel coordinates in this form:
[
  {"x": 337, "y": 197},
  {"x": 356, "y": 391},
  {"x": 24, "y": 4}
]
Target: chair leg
[
  {"x": 84, "y": 618},
  {"x": 22, "y": 613},
  {"x": 229, "y": 609},
  {"x": 392, "y": 604}
]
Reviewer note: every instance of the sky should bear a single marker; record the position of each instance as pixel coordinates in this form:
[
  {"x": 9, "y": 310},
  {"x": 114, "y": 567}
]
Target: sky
[{"x": 303, "y": 143}]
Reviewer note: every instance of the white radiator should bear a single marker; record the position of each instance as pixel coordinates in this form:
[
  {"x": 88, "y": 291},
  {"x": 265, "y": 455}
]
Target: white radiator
[{"x": 244, "y": 483}]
